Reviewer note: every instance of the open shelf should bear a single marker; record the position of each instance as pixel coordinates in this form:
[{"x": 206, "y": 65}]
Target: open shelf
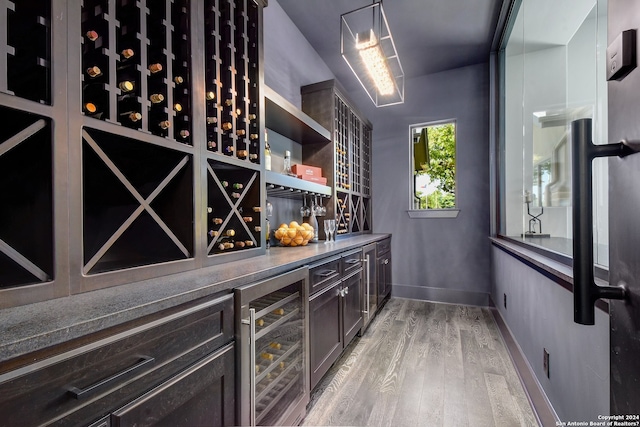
[
  {"x": 283, "y": 117},
  {"x": 291, "y": 187}
]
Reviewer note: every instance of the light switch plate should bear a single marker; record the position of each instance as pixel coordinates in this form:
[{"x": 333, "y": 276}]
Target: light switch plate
[{"x": 621, "y": 55}]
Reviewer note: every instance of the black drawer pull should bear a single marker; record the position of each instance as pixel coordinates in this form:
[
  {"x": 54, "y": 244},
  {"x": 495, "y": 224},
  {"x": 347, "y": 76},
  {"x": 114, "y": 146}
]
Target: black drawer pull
[
  {"x": 326, "y": 273},
  {"x": 87, "y": 391},
  {"x": 352, "y": 261}
]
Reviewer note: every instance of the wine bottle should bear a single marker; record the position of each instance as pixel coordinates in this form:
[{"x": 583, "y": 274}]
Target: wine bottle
[
  {"x": 242, "y": 154},
  {"x": 275, "y": 345},
  {"x": 156, "y": 98},
  {"x": 211, "y": 144},
  {"x": 155, "y": 68},
  {"x": 266, "y": 356},
  {"x": 127, "y": 53},
  {"x": 247, "y": 219},
  {"x": 94, "y": 71},
  {"x": 125, "y": 86},
  {"x": 221, "y": 246},
  {"x": 92, "y": 35},
  {"x": 251, "y": 116},
  {"x": 133, "y": 116},
  {"x": 217, "y": 221},
  {"x": 225, "y": 184},
  {"x": 165, "y": 124},
  {"x": 177, "y": 107},
  {"x": 241, "y": 132},
  {"x": 228, "y": 150},
  {"x": 90, "y": 108},
  {"x": 257, "y": 209},
  {"x": 210, "y": 96},
  {"x": 267, "y": 153},
  {"x": 278, "y": 311},
  {"x": 228, "y": 245},
  {"x": 178, "y": 80},
  {"x": 230, "y": 233},
  {"x": 253, "y": 157},
  {"x": 184, "y": 133},
  {"x": 213, "y": 233},
  {"x": 254, "y": 136},
  {"x": 235, "y": 195},
  {"x": 257, "y": 228},
  {"x": 212, "y": 120},
  {"x": 238, "y": 186},
  {"x": 238, "y": 112},
  {"x": 240, "y": 244},
  {"x": 227, "y": 126},
  {"x": 248, "y": 242},
  {"x": 228, "y": 102}
]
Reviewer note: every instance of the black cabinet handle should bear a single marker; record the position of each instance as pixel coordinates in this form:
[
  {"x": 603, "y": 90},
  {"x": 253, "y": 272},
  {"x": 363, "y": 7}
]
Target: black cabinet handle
[
  {"x": 352, "y": 261},
  {"x": 89, "y": 390},
  {"x": 583, "y": 151}
]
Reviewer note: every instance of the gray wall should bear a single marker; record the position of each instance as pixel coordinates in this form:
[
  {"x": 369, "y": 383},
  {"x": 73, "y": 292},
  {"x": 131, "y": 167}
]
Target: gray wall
[
  {"x": 540, "y": 315},
  {"x": 289, "y": 60},
  {"x": 438, "y": 259},
  {"x": 441, "y": 259}
]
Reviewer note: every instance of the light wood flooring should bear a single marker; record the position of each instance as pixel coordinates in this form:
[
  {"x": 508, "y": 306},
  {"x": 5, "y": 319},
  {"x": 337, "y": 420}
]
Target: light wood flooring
[{"x": 423, "y": 364}]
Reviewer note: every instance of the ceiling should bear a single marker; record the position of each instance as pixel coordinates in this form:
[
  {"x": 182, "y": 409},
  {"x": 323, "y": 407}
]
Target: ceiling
[{"x": 430, "y": 35}]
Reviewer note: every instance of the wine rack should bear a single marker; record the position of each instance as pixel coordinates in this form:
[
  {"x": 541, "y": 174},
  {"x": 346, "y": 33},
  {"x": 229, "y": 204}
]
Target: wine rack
[
  {"x": 234, "y": 213},
  {"x": 26, "y": 215},
  {"x": 349, "y": 155},
  {"x": 232, "y": 79},
  {"x": 136, "y": 72},
  {"x": 341, "y": 140},
  {"x": 25, "y": 49},
  {"x": 138, "y": 203},
  {"x": 105, "y": 167}
]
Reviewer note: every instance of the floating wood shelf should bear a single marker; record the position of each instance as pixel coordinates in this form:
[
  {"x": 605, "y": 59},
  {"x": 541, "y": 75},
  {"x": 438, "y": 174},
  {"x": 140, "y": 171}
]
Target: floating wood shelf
[{"x": 283, "y": 117}]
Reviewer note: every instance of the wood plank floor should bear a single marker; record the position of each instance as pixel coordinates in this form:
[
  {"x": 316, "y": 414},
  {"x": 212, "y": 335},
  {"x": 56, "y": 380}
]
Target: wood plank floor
[{"x": 423, "y": 364}]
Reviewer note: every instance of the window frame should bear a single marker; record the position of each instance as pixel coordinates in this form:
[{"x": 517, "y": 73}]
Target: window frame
[{"x": 440, "y": 212}]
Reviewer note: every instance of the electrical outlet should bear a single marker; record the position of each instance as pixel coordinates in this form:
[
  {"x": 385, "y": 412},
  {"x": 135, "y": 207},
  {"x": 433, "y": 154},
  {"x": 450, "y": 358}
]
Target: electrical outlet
[
  {"x": 545, "y": 362},
  {"x": 505, "y": 300}
]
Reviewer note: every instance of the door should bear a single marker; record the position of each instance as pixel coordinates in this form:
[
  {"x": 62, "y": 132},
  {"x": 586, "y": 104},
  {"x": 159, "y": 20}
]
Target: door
[
  {"x": 325, "y": 335},
  {"x": 624, "y": 228},
  {"x": 203, "y": 394},
  {"x": 351, "y": 306},
  {"x": 369, "y": 301}
]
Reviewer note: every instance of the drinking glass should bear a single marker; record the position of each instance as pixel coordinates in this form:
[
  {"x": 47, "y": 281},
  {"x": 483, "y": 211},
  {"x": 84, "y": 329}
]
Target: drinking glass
[
  {"x": 327, "y": 238},
  {"x": 332, "y": 229}
]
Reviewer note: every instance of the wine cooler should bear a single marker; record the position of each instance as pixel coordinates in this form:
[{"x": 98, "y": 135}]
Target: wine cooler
[{"x": 272, "y": 336}]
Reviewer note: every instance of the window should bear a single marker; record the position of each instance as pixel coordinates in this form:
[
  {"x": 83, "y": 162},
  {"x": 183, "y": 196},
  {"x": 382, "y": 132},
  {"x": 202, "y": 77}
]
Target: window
[
  {"x": 552, "y": 73},
  {"x": 434, "y": 165}
]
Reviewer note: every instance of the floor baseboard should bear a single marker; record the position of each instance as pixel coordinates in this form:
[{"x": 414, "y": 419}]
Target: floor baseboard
[{"x": 539, "y": 402}]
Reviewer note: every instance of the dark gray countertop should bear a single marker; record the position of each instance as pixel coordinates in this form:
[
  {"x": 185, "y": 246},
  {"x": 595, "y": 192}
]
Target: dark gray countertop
[{"x": 36, "y": 326}]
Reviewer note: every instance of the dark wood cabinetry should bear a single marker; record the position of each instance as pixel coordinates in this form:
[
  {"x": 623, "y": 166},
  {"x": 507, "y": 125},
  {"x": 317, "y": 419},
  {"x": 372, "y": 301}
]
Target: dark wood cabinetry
[
  {"x": 177, "y": 362},
  {"x": 132, "y": 142},
  {"x": 335, "y": 310},
  {"x": 349, "y": 156}
]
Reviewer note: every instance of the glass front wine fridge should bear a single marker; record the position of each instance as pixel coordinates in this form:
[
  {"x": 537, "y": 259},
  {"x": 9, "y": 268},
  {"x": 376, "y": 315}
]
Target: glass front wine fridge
[{"x": 272, "y": 335}]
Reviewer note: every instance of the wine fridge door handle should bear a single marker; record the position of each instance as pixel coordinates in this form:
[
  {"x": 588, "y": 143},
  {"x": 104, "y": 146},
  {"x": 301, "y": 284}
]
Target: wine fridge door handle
[
  {"x": 252, "y": 356},
  {"x": 583, "y": 151}
]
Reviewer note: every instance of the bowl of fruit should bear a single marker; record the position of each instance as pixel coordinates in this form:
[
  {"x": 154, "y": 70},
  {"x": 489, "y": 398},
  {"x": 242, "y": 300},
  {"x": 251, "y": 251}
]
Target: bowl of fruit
[{"x": 294, "y": 234}]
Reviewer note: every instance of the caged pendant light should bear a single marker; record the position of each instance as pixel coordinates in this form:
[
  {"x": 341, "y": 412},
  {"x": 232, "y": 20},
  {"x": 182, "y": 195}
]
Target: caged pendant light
[{"x": 367, "y": 46}]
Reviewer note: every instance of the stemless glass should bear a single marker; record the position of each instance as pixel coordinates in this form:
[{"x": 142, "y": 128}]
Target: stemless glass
[{"x": 327, "y": 235}]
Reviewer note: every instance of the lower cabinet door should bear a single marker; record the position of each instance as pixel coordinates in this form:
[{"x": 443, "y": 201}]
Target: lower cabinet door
[
  {"x": 352, "y": 306},
  {"x": 325, "y": 333},
  {"x": 201, "y": 395}
]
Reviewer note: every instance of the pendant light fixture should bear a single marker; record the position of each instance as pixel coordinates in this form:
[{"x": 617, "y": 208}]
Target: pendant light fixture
[{"x": 367, "y": 46}]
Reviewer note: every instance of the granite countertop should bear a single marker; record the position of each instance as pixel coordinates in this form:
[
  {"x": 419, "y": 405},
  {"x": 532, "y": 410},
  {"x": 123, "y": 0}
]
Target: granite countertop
[{"x": 36, "y": 326}]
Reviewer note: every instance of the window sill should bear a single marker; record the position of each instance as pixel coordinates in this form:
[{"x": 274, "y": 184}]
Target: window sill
[
  {"x": 554, "y": 270},
  {"x": 433, "y": 213}
]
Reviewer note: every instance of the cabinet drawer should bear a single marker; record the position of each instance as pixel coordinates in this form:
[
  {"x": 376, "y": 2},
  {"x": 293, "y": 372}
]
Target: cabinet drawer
[
  {"x": 323, "y": 274},
  {"x": 81, "y": 385},
  {"x": 351, "y": 261},
  {"x": 383, "y": 246}
]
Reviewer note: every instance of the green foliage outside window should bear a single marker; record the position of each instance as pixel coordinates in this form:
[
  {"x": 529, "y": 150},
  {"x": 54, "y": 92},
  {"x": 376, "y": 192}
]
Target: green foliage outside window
[{"x": 438, "y": 173}]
